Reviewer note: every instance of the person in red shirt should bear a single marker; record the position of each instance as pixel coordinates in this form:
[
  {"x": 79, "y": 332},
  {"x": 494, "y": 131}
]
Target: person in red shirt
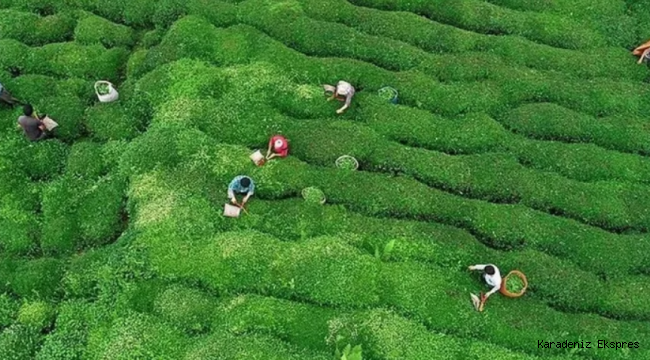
[{"x": 279, "y": 145}]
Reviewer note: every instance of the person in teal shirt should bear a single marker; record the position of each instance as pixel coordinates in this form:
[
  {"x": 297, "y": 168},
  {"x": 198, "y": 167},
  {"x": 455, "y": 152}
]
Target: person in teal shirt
[{"x": 241, "y": 185}]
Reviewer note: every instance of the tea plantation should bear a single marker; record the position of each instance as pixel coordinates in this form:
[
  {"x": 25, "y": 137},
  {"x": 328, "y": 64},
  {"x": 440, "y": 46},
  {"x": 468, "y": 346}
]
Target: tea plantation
[{"x": 521, "y": 137}]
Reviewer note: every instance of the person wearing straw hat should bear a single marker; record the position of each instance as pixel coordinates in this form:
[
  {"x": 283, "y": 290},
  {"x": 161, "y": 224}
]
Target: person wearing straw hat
[
  {"x": 241, "y": 185},
  {"x": 33, "y": 127},
  {"x": 6, "y": 97},
  {"x": 280, "y": 147},
  {"x": 492, "y": 277},
  {"x": 343, "y": 91}
]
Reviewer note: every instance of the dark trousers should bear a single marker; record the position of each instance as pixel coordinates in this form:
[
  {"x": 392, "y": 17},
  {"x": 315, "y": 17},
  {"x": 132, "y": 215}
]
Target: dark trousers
[{"x": 6, "y": 97}]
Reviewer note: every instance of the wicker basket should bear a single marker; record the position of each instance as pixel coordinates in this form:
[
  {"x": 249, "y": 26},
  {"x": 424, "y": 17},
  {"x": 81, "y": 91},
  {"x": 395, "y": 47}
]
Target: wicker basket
[
  {"x": 504, "y": 289},
  {"x": 341, "y": 160},
  {"x": 304, "y": 194},
  {"x": 389, "y": 90}
]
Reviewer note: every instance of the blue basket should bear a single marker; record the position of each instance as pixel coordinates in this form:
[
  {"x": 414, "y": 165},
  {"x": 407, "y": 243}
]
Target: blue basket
[{"x": 389, "y": 94}]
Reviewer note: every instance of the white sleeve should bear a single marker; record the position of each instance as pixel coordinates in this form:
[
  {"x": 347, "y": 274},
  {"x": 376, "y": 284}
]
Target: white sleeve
[
  {"x": 494, "y": 289},
  {"x": 479, "y": 267}
]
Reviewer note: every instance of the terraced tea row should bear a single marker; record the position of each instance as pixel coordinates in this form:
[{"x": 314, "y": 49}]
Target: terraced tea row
[
  {"x": 333, "y": 224},
  {"x": 233, "y": 126},
  {"x": 486, "y": 18},
  {"x": 112, "y": 238},
  {"x": 487, "y": 50},
  {"x": 415, "y": 88}
]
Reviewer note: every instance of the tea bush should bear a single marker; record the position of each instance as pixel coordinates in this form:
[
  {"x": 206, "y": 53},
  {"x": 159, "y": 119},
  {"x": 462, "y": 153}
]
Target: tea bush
[
  {"x": 112, "y": 122},
  {"x": 222, "y": 345},
  {"x": 85, "y": 160},
  {"x": 382, "y": 332},
  {"x": 70, "y": 335},
  {"x": 72, "y": 60},
  {"x": 37, "y": 315},
  {"x": 32, "y": 88},
  {"x": 518, "y": 139},
  {"x": 96, "y": 30},
  {"x": 328, "y": 281},
  {"x": 45, "y": 160},
  {"x": 8, "y": 310},
  {"x": 396, "y": 270},
  {"x": 437, "y": 37},
  {"x": 546, "y": 122},
  {"x": 560, "y": 283},
  {"x": 167, "y": 12},
  {"x": 134, "y": 335},
  {"x": 32, "y": 279},
  {"x": 416, "y": 88},
  {"x": 534, "y": 189},
  {"x": 81, "y": 212},
  {"x": 34, "y": 30},
  {"x": 19, "y": 342},
  {"x": 43, "y": 7},
  {"x": 185, "y": 308},
  {"x": 505, "y": 226},
  {"x": 64, "y": 60},
  {"x": 486, "y": 18}
]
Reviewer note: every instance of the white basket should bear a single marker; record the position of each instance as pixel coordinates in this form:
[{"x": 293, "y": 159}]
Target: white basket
[
  {"x": 231, "y": 210},
  {"x": 49, "y": 123},
  {"x": 112, "y": 92},
  {"x": 257, "y": 157},
  {"x": 304, "y": 191},
  {"x": 340, "y": 160}
]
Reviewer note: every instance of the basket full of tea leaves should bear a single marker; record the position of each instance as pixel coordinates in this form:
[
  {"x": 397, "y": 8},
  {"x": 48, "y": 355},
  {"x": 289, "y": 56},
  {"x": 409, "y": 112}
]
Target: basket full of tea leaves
[
  {"x": 514, "y": 284},
  {"x": 106, "y": 92},
  {"x": 388, "y": 93},
  {"x": 347, "y": 162},
  {"x": 313, "y": 195}
]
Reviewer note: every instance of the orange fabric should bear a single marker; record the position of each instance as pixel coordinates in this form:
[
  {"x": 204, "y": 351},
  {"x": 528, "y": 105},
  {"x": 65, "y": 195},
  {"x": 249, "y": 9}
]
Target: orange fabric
[{"x": 641, "y": 48}]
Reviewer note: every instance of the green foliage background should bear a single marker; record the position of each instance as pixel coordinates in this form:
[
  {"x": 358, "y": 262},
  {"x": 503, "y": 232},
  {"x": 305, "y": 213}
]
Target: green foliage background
[{"x": 520, "y": 138}]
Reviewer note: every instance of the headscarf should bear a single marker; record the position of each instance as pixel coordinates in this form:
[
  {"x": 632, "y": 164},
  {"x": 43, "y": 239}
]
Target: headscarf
[{"x": 343, "y": 88}]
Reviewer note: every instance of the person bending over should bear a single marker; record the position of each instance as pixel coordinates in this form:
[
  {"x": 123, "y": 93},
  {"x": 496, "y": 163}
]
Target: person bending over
[
  {"x": 241, "y": 185},
  {"x": 492, "y": 277},
  {"x": 279, "y": 145},
  {"x": 32, "y": 126},
  {"x": 343, "y": 91},
  {"x": 6, "y": 97}
]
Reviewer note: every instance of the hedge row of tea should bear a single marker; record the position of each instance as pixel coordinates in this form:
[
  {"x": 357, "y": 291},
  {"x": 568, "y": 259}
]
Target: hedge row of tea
[
  {"x": 415, "y": 89},
  {"x": 545, "y": 27},
  {"x": 175, "y": 40},
  {"x": 112, "y": 242},
  {"x": 486, "y": 50},
  {"x": 331, "y": 223},
  {"x": 467, "y": 176},
  {"x": 322, "y": 270}
]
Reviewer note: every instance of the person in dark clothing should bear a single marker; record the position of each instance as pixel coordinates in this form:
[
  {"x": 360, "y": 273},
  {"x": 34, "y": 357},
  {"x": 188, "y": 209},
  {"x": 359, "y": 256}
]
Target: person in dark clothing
[
  {"x": 32, "y": 126},
  {"x": 6, "y": 97}
]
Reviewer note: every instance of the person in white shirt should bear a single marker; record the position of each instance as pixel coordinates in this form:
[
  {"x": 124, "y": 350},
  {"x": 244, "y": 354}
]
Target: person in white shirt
[
  {"x": 492, "y": 277},
  {"x": 343, "y": 91}
]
